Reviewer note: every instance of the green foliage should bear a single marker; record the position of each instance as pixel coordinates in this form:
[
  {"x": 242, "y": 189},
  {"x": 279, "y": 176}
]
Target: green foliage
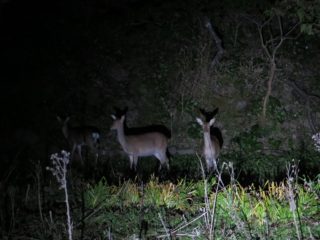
[
  {"x": 275, "y": 110},
  {"x": 249, "y": 155},
  {"x": 261, "y": 150},
  {"x": 194, "y": 130},
  {"x": 263, "y": 209},
  {"x": 248, "y": 141},
  {"x": 307, "y": 28},
  {"x": 119, "y": 210},
  {"x": 185, "y": 166},
  {"x": 187, "y": 105},
  {"x": 304, "y": 12},
  {"x": 97, "y": 194},
  {"x": 309, "y": 16}
]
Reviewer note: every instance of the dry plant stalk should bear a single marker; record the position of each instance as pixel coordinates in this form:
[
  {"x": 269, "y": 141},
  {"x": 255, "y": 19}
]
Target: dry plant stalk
[
  {"x": 292, "y": 173},
  {"x": 59, "y": 171}
]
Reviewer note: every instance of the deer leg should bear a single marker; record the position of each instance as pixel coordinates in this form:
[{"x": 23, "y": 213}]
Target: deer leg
[
  {"x": 163, "y": 160},
  {"x": 79, "y": 152},
  {"x": 131, "y": 161},
  {"x": 73, "y": 150},
  {"x": 160, "y": 166},
  {"x": 214, "y": 164},
  {"x": 167, "y": 164},
  {"x": 97, "y": 152},
  {"x": 96, "y": 159},
  {"x": 94, "y": 148},
  {"x": 97, "y": 143},
  {"x": 158, "y": 156},
  {"x": 209, "y": 164},
  {"x": 135, "y": 162},
  {"x": 166, "y": 160}
]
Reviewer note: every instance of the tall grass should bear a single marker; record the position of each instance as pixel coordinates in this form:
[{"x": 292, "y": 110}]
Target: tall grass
[{"x": 208, "y": 209}]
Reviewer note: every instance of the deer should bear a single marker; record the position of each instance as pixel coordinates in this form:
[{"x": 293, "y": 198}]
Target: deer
[
  {"x": 141, "y": 143},
  {"x": 80, "y": 136},
  {"x": 212, "y": 138}
]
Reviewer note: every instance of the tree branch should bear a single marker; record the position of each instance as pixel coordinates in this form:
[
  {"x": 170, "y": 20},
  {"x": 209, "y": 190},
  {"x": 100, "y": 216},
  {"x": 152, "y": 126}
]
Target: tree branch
[
  {"x": 217, "y": 40},
  {"x": 271, "y": 47}
]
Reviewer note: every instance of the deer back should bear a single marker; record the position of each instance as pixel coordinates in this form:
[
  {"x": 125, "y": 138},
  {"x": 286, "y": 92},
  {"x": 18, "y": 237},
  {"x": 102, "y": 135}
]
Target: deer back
[
  {"x": 142, "y": 143},
  {"x": 80, "y": 135}
]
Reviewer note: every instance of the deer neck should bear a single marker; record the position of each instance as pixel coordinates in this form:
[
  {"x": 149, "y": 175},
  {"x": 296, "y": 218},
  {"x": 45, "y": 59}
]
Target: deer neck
[
  {"x": 121, "y": 137},
  {"x": 207, "y": 141},
  {"x": 65, "y": 130}
]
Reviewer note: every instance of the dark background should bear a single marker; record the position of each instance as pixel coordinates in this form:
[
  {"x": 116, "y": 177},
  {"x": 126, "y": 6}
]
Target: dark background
[{"x": 82, "y": 58}]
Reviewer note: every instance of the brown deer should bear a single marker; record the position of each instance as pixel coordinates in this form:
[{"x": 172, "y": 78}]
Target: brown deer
[
  {"x": 80, "y": 136},
  {"x": 141, "y": 143},
  {"x": 212, "y": 139}
]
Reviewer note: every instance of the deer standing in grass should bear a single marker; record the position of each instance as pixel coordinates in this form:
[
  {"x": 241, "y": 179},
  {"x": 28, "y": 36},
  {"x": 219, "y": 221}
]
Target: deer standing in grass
[
  {"x": 212, "y": 139},
  {"x": 80, "y": 136},
  {"x": 150, "y": 143}
]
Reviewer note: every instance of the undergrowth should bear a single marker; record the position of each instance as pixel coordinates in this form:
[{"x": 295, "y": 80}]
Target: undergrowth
[
  {"x": 179, "y": 210},
  {"x": 186, "y": 209}
]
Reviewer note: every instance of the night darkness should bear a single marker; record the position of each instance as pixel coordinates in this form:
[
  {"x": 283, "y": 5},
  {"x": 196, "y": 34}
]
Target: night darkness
[{"x": 158, "y": 64}]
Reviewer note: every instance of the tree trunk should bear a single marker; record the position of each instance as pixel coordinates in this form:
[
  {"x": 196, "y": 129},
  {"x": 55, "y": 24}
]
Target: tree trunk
[{"x": 269, "y": 89}]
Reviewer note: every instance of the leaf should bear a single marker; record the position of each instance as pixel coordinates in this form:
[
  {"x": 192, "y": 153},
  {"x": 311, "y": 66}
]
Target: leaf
[{"x": 307, "y": 28}]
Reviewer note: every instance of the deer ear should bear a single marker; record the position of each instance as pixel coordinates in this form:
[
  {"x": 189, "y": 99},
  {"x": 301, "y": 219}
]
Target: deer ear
[
  {"x": 59, "y": 119},
  {"x": 113, "y": 117},
  {"x": 122, "y": 118},
  {"x": 212, "y": 122},
  {"x": 199, "y": 121}
]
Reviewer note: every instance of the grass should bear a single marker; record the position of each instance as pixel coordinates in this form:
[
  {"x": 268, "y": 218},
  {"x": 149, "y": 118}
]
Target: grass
[
  {"x": 176, "y": 210},
  {"x": 154, "y": 209}
]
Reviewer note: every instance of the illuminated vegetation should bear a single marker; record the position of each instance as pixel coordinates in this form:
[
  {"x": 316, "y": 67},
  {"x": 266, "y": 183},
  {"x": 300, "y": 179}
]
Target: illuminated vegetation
[{"x": 241, "y": 212}]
